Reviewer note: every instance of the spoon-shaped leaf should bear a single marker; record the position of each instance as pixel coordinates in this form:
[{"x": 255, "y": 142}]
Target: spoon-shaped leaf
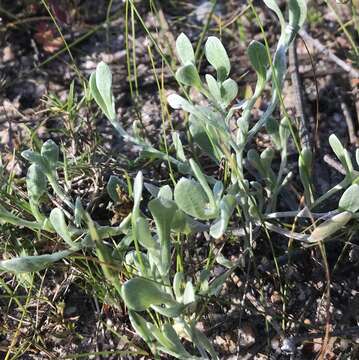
[
  {"x": 144, "y": 235},
  {"x": 35, "y": 158},
  {"x": 114, "y": 185},
  {"x": 50, "y": 153},
  {"x": 163, "y": 211},
  {"x": 227, "y": 206},
  {"x": 104, "y": 86},
  {"x": 229, "y": 91},
  {"x": 97, "y": 96},
  {"x": 340, "y": 152},
  {"x": 350, "y": 199},
  {"x": 297, "y": 13},
  {"x": 330, "y": 226},
  {"x": 178, "y": 102},
  {"x": 191, "y": 199},
  {"x": 141, "y": 326},
  {"x": 213, "y": 87},
  {"x": 58, "y": 222},
  {"x": 217, "y": 56},
  {"x": 188, "y": 75},
  {"x": 272, "y": 4},
  {"x": 258, "y": 57},
  {"x": 25, "y": 264},
  {"x": 189, "y": 295},
  {"x": 184, "y": 49},
  {"x": 139, "y": 294},
  {"x": 36, "y": 183},
  {"x": 137, "y": 192}
]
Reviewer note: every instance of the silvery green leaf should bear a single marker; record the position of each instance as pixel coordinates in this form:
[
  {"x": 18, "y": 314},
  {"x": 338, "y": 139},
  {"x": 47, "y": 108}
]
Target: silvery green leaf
[
  {"x": 163, "y": 212},
  {"x": 178, "y": 102},
  {"x": 152, "y": 189},
  {"x": 204, "y": 280},
  {"x": 229, "y": 91},
  {"x": 79, "y": 212},
  {"x": 58, "y": 222},
  {"x": 175, "y": 342},
  {"x": 25, "y": 264},
  {"x": 165, "y": 192},
  {"x": 113, "y": 186},
  {"x": 340, "y": 152},
  {"x": 50, "y": 152},
  {"x": 97, "y": 96},
  {"x": 178, "y": 146},
  {"x": 191, "y": 199},
  {"x": 141, "y": 326},
  {"x": 218, "y": 190},
  {"x": 330, "y": 226},
  {"x": 217, "y": 56},
  {"x": 280, "y": 68},
  {"x": 168, "y": 345},
  {"x": 178, "y": 282},
  {"x": 272, "y": 127},
  {"x": 36, "y": 182},
  {"x": 188, "y": 75},
  {"x": 284, "y": 132},
  {"x": 139, "y": 294},
  {"x": 216, "y": 285},
  {"x": 171, "y": 311},
  {"x": 350, "y": 199},
  {"x": 134, "y": 259},
  {"x": 255, "y": 160},
  {"x": 189, "y": 294},
  {"x": 70, "y": 96},
  {"x": 267, "y": 157},
  {"x": 221, "y": 260},
  {"x": 297, "y": 13},
  {"x": 184, "y": 224},
  {"x": 272, "y": 4},
  {"x": 258, "y": 57},
  {"x": 163, "y": 344},
  {"x": 104, "y": 87},
  {"x": 305, "y": 169},
  {"x": 184, "y": 49},
  {"x": 201, "y": 138},
  {"x": 144, "y": 235},
  {"x": 202, "y": 180},
  {"x": 35, "y": 158},
  {"x": 203, "y": 341},
  {"x": 227, "y": 206},
  {"x": 213, "y": 87},
  {"x": 137, "y": 190}
]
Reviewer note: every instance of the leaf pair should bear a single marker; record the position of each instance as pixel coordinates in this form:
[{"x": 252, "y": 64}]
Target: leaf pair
[
  {"x": 223, "y": 90},
  {"x": 187, "y": 74},
  {"x": 46, "y": 161}
]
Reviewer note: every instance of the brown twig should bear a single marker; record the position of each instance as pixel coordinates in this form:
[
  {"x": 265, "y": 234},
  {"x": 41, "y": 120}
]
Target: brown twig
[
  {"x": 334, "y": 164},
  {"x": 349, "y": 120}
]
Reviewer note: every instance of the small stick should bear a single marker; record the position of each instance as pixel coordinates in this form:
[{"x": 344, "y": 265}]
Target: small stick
[
  {"x": 321, "y": 48},
  {"x": 349, "y": 120},
  {"x": 334, "y": 164}
]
